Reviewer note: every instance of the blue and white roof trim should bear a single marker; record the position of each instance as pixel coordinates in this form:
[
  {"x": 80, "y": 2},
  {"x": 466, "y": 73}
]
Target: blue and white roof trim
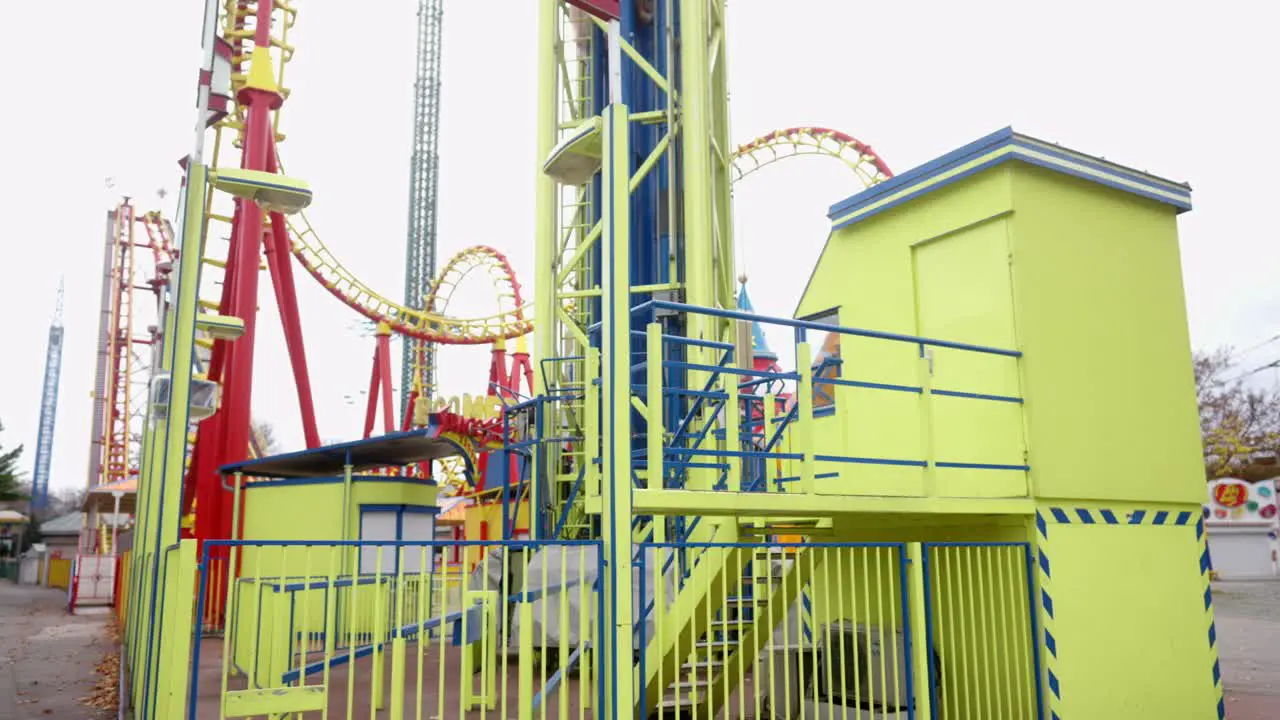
[{"x": 998, "y": 147}]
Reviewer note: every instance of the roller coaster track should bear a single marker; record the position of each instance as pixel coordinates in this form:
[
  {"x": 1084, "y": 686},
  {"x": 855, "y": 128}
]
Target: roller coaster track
[
  {"x": 805, "y": 141},
  {"x": 430, "y": 323},
  {"x": 511, "y": 321}
]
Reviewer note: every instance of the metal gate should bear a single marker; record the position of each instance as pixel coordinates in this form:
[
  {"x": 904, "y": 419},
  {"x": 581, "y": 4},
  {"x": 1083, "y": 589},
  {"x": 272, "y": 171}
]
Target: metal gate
[
  {"x": 981, "y": 630},
  {"x": 775, "y": 630},
  {"x": 95, "y": 580}
]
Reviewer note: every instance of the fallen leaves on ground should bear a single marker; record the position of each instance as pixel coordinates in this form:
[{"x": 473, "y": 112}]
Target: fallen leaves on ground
[{"x": 106, "y": 691}]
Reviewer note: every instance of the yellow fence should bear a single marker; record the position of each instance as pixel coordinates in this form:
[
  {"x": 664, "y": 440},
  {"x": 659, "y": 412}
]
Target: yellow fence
[
  {"x": 121, "y": 597},
  {"x": 351, "y": 628},
  {"x": 785, "y": 631},
  {"x": 981, "y": 628},
  {"x": 60, "y": 573},
  {"x": 873, "y": 631}
]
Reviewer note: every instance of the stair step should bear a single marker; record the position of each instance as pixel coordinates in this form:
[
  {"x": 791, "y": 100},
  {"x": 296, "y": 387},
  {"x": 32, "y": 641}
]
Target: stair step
[
  {"x": 690, "y": 684},
  {"x": 671, "y": 702},
  {"x": 710, "y": 664},
  {"x": 804, "y": 647},
  {"x": 721, "y": 645}
]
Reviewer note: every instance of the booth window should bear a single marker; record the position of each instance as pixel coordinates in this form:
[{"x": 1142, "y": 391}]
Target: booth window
[
  {"x": 826, "y": 361},
  {"x": 404, "y": 523}
]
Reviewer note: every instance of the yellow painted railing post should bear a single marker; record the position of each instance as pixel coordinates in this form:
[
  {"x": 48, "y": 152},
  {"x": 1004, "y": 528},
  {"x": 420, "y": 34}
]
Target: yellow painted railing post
[
  {"x": 732, "y": 432},
  {"x": 489, "y": 649},
  {"x": 591, "y": 415},
  {"x": 654, "y": 404},
  {"x": 397, "y": 678},
  {"x": 921, "y": 653},
  {"x": 925, "y": 374},
  {"x": 467, "y": 671},
  {"x": 524, "y": 686},
  {"x": 804, "y": 419},
  {"x": 615, "y": 336}
]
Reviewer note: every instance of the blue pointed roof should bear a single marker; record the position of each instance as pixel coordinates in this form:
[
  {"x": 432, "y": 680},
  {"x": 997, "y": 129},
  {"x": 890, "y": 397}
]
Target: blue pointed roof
[{"x": 760, "y": 346}]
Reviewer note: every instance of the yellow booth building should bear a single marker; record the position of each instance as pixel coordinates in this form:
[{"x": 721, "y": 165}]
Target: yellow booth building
[{"x": 1059, "y": 432}]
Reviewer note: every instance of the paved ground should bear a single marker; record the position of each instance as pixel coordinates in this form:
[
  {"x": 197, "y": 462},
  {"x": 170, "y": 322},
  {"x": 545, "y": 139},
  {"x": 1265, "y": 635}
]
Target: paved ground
[
  {"x": 46, "y": 656},
  {"x": 1248, "y": 623}
]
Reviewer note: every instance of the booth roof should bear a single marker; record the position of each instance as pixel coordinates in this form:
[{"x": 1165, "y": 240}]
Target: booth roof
[{"x": 396, "y": 449}]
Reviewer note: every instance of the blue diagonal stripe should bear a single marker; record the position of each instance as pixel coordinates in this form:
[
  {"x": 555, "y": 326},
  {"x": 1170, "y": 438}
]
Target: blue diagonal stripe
[
  {"x": 1204, "y": 561},
  {"x": 1055, "y": 715},
  {"x": 1199, "y": 529},
  {"x": 1161, "y": 517},
  {"x": 1050, "y": 643},
  {"x": 1136, "y": 517},
  {"x": 1213, "y": 635},
  {"x": 1044, "y": 563},
  {"x": 1184, "y": 517},
  {"x": 1060, "y": 515},
  {"x": 1044, "y": 530},
  {"x": 1047, "y": 602},
  {"x": 1053, "y": 685},
  {"x": 1217, "y": 672},
  {"x": 1208, "y": 598},
  {"x": 1110, "y": 517},
  {"x": 1222, "y": 708},
  {"x": 1085, "y": 516}
]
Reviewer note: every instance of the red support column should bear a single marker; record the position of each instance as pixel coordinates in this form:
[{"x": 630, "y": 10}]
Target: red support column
[
  {"x": 259, "y": 97},
  {"x": 383, "y": 358},
  {"x": 371, "y": 403},
  {"x": 498, "y": 370}
]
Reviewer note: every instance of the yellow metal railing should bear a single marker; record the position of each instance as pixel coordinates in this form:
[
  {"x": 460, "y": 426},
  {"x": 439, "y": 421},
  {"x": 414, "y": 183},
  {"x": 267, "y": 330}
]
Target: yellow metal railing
[
  {"x": 351, "y": 628},
  {"x": 791, "y": 631},
  {"x": 981, "y": 627}
]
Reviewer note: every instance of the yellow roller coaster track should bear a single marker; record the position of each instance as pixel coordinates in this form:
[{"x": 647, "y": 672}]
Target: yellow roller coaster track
[{"x": 429, "y": 323}]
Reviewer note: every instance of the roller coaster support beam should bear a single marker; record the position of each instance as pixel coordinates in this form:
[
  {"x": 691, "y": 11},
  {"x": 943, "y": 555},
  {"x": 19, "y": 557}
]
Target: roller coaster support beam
[
  {"x": 380, "y": 384},
  {"x": 260, "y": 95},
  {"x": 291, "y": 320}
]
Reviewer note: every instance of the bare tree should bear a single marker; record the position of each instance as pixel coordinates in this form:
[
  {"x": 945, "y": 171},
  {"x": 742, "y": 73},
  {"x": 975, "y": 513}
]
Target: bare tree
[
  {"x": 1236, "y": 422},
  {"x": 263, "y": 437}
]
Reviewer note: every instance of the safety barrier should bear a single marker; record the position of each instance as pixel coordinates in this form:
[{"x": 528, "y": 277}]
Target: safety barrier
[
  {"x": 816, "y": 630},
  {"x": 93, "y": 580},
  {"x": 876, "y": 413},
  {"x": 157, "y": 633},
  {"x": 121, "y": 594},
  {"x": 358, "y": 627},
  {"x": 981, "y": 626}
]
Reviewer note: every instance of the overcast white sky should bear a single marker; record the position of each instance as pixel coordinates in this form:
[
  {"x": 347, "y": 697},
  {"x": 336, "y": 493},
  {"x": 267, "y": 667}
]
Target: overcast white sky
[{"x": 1182, "y": 89}]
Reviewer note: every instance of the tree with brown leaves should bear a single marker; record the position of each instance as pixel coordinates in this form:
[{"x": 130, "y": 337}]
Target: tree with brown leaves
[{"x": 1237, "y": 422}]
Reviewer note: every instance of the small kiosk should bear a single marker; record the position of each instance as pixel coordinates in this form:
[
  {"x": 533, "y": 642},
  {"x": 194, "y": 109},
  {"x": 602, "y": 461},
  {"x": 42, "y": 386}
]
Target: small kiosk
[{"x": 1241, "y": 519}]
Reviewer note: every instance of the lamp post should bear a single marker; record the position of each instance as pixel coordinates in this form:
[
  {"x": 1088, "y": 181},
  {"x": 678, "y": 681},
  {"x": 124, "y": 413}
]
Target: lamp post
[{"x": 115, "y": 520}]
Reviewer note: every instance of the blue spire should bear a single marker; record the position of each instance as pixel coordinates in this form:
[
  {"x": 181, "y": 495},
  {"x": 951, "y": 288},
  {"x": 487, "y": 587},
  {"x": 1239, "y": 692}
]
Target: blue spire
[{"x": 760, "y": 346}]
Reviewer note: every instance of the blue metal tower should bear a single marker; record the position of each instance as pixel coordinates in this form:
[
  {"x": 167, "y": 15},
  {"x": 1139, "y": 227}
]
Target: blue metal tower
[{"x": 48, "y": 409}]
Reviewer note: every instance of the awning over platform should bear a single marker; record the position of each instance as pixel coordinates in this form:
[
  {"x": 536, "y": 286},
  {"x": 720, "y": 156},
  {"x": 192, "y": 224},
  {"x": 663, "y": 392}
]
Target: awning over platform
[
  {"x": 396, "y": 449},
  {"x": 102, "y": 498}
]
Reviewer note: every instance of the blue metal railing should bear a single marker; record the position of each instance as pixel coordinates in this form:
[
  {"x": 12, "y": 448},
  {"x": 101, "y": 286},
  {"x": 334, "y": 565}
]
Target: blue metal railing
[{"x": 700, "y": 408}]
